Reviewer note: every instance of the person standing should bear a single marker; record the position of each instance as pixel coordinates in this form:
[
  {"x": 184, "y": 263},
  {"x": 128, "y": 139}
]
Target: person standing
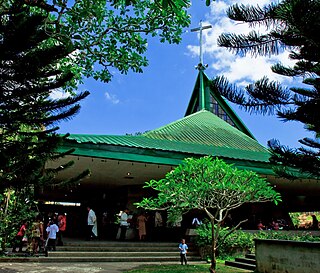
[
  {"x": 36, "y": 234},
  {"x": 92, "y": 231},
  {"x": 52, "y": 230},
  {"x": 260, "y": 225},
  {"x": 141, "y": 222},
  {"x": 62, "y": 224},
  {"x": 124, "y": 224},
  {"x": 19, "y": 237},
  {"x": 183, "y": 247},
  {"x": 158, "y": 221}
]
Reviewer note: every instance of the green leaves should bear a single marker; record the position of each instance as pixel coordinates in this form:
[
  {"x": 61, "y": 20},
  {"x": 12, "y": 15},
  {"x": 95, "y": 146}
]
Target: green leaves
[
  {"x": 17, "y": 206},
  {"x": 33, "y": 64},
  {"x": 113, "y": 34},
  {"x": 208, "y": 183},
  {"x": 293, "y": 25}
]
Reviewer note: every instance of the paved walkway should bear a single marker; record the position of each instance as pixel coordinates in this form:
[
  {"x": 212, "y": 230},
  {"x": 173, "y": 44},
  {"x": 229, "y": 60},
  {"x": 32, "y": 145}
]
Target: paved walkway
[
  {"x": 74, "y": 268},
  {"x": 65, "y": 267}
]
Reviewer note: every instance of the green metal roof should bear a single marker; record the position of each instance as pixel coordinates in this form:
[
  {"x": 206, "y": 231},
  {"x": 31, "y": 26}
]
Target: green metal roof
[
  {"x": 202, "y": 91},
  {"x": 201, "y": 133}
]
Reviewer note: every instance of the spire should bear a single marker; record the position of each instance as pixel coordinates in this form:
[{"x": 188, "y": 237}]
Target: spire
[
  {"x": 200, "y": 29},
  {"x": 203, "y": 95}
]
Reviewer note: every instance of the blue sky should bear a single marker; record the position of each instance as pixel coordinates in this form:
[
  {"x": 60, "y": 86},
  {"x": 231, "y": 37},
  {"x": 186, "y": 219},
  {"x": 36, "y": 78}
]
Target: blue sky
[{"x": 139, "y": 102}]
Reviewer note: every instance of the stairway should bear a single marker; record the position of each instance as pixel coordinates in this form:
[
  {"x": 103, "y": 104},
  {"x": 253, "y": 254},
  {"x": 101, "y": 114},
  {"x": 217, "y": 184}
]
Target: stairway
[
  {"x": 248, "y": 262},
  {"x": 114, "y": 251}
]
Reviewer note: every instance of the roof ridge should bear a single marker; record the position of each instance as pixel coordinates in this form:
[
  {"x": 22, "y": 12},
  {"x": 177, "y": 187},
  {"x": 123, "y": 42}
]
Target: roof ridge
[
  {"x": 176, "y": 121},
  {"x": 204, "y": 127}
]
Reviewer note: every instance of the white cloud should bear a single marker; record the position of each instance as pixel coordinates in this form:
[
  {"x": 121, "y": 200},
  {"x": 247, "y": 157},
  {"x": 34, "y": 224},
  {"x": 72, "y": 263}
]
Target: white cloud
[
  {"x": 59, "y": 94},
  {"x": 112, "y": 98},
  {"x": 234, "y": 67}
]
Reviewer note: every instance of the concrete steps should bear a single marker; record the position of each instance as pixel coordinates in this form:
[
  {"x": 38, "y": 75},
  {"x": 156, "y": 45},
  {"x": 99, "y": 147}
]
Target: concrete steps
[
  {"x": 108, "y": 251},
  {"x": 117, "y": 254},
  {"x": 248, "y": 262},
  {"x": 113, "y": 251}
]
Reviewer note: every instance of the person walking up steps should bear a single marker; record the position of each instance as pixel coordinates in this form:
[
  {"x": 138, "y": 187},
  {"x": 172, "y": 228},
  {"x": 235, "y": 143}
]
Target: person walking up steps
[
  {"x": 183, "y": 252},
  {"x": 52, "y": 230}
]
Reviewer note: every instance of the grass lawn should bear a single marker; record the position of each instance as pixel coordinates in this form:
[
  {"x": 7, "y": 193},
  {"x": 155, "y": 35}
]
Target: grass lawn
[{"x": 201, "y": 268}]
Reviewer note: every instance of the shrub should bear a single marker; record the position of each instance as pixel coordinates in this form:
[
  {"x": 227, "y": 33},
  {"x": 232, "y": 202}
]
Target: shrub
[
  {"x": 16, "y": 207},
  {"x": 240, "y": 242}
]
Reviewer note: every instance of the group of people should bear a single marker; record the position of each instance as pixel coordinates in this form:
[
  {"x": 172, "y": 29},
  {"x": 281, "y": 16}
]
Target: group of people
[
  {"x": 281, "y": 224},
  {"x": 274, "y": 224},
  {"x": 126, "y": 220},
  {"x": 39, "y": 237},
  {"x": 139, "y": 222},
  {"x": 141, "y": 226}
]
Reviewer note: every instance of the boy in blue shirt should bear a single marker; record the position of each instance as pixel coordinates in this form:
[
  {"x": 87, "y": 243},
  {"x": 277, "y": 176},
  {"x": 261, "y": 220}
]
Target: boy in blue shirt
[{"x": 183, "y": 251}]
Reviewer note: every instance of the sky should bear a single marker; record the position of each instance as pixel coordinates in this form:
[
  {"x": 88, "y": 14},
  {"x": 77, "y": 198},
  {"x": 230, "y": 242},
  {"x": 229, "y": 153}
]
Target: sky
[{"x": 139, "y": 102}]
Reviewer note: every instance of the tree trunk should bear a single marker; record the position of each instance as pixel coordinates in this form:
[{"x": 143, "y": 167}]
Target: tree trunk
[
  {"x": 7, "y": 200},
  {"x": 213, "y": 266}
]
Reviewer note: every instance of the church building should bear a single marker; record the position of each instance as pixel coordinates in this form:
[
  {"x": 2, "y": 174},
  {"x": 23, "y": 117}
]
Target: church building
[{"x": 121, "y": 164}]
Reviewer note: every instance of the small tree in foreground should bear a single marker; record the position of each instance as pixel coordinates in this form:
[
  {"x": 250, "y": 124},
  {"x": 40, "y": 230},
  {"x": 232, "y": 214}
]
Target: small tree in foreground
[{"x": 210, "y": 185}]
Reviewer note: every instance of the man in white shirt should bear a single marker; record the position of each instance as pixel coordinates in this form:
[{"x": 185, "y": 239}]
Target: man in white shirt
[
  {"x": 52, "y": 230},
  {"x": 124, "y": 224},
  {"x": 92, "y": 225}
]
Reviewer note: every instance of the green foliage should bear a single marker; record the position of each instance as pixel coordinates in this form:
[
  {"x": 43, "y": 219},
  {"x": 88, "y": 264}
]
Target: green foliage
[
  {"x": 292, "y": 25},
  {"x": 205, "y": 183},
  {"x": 244, "y": 241},
  {"x": 17, "y": 206},
  {"x": 30, "y": 71},
  {"x": 295, "y": 218},
  {"x": 236, "y": 241},
  {"x": 111, "y": 36},
  {"x": 191, "y": 268},
  {"x": 209, "y": 185}
]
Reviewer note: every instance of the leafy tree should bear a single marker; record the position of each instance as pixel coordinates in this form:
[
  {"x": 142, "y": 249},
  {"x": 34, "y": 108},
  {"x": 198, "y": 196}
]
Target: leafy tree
[
  {"x": 110, "y": 35},
  {"x": 17, "y": 206},
  {"x": 30, "y": 69},
  {"x": 292, "y": 25},
  {"x": 209, "y": 185},
  {"x": 29, "y": 72}
]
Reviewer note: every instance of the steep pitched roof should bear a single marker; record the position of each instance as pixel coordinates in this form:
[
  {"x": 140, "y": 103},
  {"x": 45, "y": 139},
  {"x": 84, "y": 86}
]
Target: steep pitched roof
[
  {"x": 205, "y": 97},
  {"x": 203, "y": 127},
  {"x": 201, "y": 133}
]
